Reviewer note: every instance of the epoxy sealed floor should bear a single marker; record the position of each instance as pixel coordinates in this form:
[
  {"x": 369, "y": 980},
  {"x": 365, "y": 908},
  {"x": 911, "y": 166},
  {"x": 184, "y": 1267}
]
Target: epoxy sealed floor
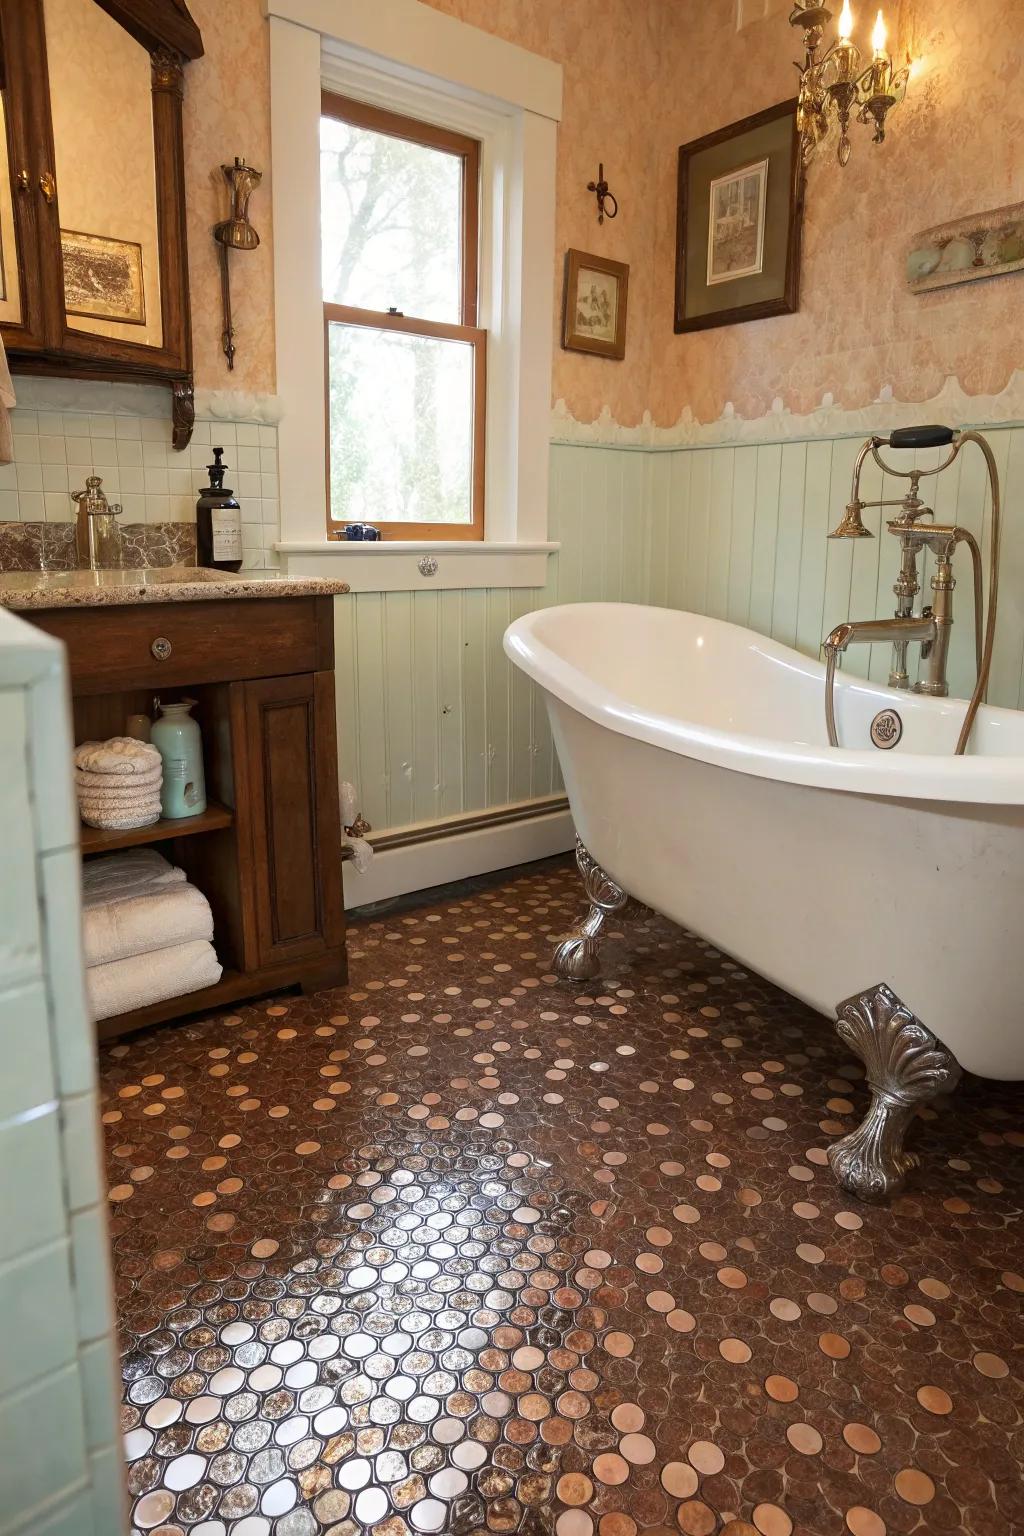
[{"x": 460, "y": 1249}]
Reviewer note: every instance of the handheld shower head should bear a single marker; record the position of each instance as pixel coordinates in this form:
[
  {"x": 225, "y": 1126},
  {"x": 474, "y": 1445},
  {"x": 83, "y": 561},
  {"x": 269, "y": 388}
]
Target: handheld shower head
[{"x": 851, "y": 525}]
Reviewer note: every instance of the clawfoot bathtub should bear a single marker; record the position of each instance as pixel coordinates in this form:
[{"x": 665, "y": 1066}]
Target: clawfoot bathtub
[{"x": 886, "y": 873}]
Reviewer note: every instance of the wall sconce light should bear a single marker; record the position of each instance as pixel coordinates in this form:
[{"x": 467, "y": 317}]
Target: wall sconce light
[
  {"x": 235, "y": 234},
  {"x": 834, "y": 86},
  {"x": 607, "y": 203}
]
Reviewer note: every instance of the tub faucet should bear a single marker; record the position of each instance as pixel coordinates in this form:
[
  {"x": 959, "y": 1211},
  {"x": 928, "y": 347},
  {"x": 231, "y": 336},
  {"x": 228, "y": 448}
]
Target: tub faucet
[{"x": 916, "y": 530}]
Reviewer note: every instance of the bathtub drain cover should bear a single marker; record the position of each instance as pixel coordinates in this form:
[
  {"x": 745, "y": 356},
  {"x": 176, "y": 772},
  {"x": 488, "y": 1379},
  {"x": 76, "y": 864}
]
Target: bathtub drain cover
[{"x": 886, "y": 729}]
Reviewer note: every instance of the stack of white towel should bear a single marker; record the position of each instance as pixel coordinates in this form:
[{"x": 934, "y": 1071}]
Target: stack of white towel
[
  {"x": 146, "y": 932},
  {"x": 118, "y": 783}
]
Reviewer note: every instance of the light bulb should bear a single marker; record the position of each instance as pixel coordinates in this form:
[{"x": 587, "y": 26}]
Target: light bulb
[
  {"x": 879, "y": 35},
  {"x": 845, "y": 23}
]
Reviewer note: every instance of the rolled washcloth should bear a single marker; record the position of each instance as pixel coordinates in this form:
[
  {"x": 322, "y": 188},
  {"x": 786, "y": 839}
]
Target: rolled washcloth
[
  {"x": 118, "y": 783},
  {"x": 117, "y": 794},
  {"x": 135, "y": 902},
  {"x": 106, "y": 819},
  {"x": 140, "y": 980},
  {"x": 121, "y": 755}
]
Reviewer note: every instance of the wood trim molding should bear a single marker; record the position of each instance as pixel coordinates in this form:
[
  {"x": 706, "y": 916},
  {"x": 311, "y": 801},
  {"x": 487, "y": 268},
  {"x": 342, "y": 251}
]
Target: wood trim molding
[
  {"x": 158, "y": 24},
  {"x": 420, "y": 38},
  {"x": 464, "y": 847},
  {"x": 476, "y": 821}
]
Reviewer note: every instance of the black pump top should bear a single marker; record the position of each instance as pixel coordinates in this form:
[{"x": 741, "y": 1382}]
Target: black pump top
[{"x": 217, "y": 471}]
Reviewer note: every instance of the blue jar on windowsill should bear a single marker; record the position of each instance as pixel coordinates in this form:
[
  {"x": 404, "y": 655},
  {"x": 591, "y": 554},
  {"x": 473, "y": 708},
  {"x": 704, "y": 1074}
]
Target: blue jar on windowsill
[{"x": 179, "y": 741}]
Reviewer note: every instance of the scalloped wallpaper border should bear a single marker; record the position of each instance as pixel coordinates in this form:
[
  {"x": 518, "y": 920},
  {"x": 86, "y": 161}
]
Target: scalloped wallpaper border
[
  {"x": 38, "y": 392},
  {"x": 952, "y": 405}
]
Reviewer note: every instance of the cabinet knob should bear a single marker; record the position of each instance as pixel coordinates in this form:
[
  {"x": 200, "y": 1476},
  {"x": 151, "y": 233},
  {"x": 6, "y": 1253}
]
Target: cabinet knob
[
  {"x": 161, "y": 648},
  {"x": 24, "y": 181},
  {"x": 47, "y": 186}
]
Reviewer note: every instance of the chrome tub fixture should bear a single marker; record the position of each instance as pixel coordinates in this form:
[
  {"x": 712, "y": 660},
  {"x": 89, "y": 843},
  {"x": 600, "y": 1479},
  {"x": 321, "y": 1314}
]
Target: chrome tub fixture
[
  {"x": 917, "y": 531},
  {"x": 834, "y": 86}
]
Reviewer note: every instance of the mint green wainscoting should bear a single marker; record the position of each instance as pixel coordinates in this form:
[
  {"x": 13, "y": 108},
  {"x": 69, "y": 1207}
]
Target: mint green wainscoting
[{"x": 434, "y": 722}]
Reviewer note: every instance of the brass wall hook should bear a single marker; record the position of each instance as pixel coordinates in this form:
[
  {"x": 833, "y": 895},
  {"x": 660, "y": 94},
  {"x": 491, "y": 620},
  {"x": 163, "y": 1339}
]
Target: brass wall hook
[
  {"x": 607, "y": 202},
  {"x": 235, "y": 234}
]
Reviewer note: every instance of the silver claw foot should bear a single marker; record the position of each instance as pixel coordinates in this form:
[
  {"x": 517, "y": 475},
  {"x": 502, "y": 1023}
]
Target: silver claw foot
[
  {"x": 906, "y": 1066},
  {"x": 577, "y": 957}
]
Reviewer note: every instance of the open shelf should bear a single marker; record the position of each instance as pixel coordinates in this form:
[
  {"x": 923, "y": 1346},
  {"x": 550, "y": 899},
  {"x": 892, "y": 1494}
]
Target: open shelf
[{"x": 96, "y": 840}]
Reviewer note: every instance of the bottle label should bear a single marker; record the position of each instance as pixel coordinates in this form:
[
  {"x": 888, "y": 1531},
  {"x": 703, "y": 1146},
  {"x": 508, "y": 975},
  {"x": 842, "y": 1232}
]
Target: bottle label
[{"x": 226, "y": 527}]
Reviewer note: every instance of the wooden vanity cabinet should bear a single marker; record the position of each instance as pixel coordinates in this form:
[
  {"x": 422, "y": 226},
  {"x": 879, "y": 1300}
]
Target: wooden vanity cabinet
[{"x": 267, "y": 852}]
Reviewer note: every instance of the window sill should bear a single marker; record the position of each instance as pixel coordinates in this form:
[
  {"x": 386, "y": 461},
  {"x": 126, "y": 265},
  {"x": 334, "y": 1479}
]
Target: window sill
[{"x": 395, "y": 565}]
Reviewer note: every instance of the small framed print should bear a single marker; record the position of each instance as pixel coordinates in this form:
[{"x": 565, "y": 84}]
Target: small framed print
[
  {"x": 103, "y": 278},
  {"x": 736, "y": 224},
  {"x": 594, "y": 309},
  {"x": 740, "y": 209}
]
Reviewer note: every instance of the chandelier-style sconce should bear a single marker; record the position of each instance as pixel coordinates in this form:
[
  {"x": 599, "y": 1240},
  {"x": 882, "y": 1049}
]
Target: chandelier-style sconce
[{"x": 835, "y": 86}]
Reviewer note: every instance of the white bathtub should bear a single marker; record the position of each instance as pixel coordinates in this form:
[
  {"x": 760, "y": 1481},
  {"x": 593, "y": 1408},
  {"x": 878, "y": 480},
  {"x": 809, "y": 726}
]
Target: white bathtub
[{"x": 696, "y": 762}]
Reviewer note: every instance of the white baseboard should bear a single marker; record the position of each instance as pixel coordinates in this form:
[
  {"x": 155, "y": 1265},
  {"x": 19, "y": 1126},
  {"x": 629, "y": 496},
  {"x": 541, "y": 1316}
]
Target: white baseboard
[{"x": 477, "y": 851}]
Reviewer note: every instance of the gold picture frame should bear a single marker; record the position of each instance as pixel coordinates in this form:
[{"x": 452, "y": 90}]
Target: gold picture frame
[
  {"x": 103, "y": 278},
  {"x": 594, "y": 305}
]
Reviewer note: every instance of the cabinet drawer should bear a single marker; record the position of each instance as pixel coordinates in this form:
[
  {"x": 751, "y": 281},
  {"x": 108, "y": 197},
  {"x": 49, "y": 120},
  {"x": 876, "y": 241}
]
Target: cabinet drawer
[{"x": 155, "y": 645}]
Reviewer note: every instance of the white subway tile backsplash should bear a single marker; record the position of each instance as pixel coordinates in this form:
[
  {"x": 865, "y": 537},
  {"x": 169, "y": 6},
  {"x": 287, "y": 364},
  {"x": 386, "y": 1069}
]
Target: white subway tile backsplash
[
  {"x": 52, "y": 449},
  {"x": 55, "y": 477},
  {"x": 133, "y": 455},
  {"x": 30, "y": 474}
]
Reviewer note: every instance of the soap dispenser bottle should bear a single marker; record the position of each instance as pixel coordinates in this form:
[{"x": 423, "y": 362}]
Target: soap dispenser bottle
[{"x": 218, "y": 521}]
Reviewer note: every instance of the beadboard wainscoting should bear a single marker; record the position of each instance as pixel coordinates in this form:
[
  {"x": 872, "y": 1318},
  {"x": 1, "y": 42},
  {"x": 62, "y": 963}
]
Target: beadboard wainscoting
[
  {"x": 742, "y": 534},
  {"x": 435, "y": 723}
]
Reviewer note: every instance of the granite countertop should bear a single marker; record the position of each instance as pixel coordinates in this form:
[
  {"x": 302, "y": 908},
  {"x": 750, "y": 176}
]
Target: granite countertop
[{"x": 169, "y": 584}]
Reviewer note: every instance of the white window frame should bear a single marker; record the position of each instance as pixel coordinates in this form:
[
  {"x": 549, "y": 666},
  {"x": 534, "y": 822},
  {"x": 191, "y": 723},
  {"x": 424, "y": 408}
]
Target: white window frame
[{"x": 409, "y": 58}]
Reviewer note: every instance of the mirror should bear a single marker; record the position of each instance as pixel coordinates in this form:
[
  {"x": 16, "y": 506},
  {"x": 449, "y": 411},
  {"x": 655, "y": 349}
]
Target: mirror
[{"x": 101, "y": 104}]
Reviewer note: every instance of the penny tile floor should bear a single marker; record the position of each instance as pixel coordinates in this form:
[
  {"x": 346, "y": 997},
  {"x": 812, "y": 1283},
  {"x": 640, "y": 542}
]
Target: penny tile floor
[{"x": 462, "y": 1249}]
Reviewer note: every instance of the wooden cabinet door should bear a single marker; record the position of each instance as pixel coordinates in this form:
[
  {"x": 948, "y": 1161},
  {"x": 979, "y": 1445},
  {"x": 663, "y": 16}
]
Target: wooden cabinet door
[{"x": 291, "y": 791}]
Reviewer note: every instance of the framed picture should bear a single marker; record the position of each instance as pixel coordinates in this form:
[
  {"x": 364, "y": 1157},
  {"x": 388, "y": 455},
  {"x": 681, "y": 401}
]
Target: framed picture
[
  {"x": 103, "y": 278},
  {"x": 740, "y": 211},
  {"x": 594, "y": 312}
]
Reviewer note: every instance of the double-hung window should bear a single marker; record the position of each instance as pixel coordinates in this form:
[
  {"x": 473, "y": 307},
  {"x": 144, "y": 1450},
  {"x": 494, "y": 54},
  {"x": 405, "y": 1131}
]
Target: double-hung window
[{"x": 405, "y": 359}]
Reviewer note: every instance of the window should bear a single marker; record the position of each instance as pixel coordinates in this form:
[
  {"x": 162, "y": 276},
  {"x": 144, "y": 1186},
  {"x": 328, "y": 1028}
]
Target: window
[{"x": 405, "y": 359}]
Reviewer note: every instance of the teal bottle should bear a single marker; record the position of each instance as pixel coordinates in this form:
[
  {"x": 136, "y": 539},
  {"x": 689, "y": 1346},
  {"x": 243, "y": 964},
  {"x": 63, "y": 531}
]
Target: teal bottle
[{"x": 179, "y": 741}]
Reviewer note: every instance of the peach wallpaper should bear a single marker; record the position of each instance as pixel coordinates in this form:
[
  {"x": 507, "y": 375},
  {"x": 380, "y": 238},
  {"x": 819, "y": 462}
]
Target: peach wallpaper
[
  {"x": 955, "y": 147},
  {"x": 608, "y": 50},
  {"x": 642, "y": 77},
  {"x": 227, "y": 113}
]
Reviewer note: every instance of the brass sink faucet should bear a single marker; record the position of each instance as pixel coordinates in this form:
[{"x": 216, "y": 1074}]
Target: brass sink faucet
[
  {"x": 97, "y": 534},
  {"x": 915, "y": 528}
]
